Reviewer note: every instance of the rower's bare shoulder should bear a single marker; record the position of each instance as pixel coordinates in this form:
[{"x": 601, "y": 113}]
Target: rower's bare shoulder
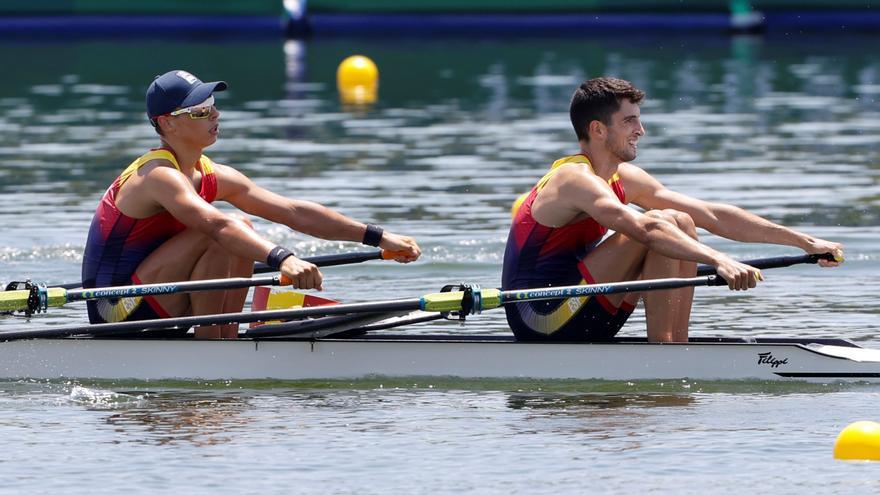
[
  {"x": 577, "y": 178},
  {"x": 157, "y": 168},
  {"x": 637, "y": 181},
  {"x": 231, "y": 182},
  {"x": 628, "y": 171},
  {"x": 228, "y": 173}
]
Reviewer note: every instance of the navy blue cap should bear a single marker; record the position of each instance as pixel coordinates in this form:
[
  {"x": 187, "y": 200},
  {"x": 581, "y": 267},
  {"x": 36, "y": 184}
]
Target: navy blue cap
[{"x": 178, "y": 89}]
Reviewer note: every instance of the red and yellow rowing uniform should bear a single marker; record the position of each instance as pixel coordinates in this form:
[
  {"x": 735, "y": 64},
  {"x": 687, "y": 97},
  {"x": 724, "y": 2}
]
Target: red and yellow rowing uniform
[
  {"x": 117, "y": 244},
  {"x": 539, "y": 256}
]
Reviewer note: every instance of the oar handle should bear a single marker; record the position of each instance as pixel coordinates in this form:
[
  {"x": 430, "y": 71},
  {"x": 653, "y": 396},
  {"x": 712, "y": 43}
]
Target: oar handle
[
  {"x": 390, "y": 255},
  {"x": 335, "y": 259},
  {"x": 777, "y": 262}
]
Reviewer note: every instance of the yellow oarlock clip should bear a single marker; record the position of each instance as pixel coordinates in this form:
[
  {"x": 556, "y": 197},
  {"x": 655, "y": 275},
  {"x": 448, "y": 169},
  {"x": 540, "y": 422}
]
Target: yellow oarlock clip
[{"x": 443, "y": 302}]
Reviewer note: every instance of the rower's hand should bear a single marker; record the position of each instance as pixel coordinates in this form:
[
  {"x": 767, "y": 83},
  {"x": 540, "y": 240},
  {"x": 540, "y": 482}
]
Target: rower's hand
[
  {"x": 303, "y": 274},
  {"x": 821, "y": 246},
  {"x": 404, "y": 248},
  {"x": 739, "y": 276}
]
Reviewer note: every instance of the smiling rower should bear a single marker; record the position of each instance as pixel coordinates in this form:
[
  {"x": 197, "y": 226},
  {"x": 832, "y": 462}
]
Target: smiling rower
[
  {"x": 557, "y": 234},
  {"x": 156, "y": 222}
]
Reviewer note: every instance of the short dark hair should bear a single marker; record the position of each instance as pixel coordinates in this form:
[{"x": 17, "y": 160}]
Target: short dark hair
[{"x": 598, "y": 99}]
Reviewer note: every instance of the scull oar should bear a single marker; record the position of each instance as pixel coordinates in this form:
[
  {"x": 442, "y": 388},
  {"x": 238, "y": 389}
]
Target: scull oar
[
  {"x": 472, "y": 300},
  {"x": 329, "y": 325},
  {"x": 320, "y": 261},
  {"x": 19, "y": 300}
]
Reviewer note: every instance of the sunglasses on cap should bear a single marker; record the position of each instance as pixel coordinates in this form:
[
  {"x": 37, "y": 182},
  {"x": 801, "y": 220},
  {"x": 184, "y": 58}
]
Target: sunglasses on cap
[{"x": 200, "y": 111}]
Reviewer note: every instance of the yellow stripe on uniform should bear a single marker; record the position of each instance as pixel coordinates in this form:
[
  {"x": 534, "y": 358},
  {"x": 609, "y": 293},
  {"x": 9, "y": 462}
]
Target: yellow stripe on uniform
[
  {"x": 553, "y": 169},
  {"x": 207, "y": 165},
  {"x": 556, "y": 319}
]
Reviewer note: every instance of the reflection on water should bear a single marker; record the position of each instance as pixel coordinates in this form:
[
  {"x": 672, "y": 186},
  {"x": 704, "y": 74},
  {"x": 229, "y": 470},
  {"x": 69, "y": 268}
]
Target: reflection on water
[
  {"x": 198, "y": 419},
  {"x": 592, "y": 403}
]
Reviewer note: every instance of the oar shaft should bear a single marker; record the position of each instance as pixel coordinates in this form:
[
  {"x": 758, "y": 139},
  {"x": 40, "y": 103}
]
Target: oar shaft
[
  {"x": 320, "y": 261},
  {"x": 493, "y": 298},
  {"x": 220, "y": 284},
  {"x": 172, "y": 288},
  {"x": 107, "y": 329},
  {"x": 323, "y": 326},
  {"x": 513, "y": 296}
]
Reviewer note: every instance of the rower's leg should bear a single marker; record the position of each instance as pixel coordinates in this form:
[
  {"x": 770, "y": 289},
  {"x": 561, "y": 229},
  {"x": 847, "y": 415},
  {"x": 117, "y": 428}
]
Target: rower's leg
[
  {"x": 620, "y": 258},
  {"x": 668, "y": 311},
  {"x": 616, "y": 259},
  {"x": 191, "y": 255},
  {"x": 686, "y": 269},
  {"x": 173, "y": 261},
  {"x": 217, "y": 262}
]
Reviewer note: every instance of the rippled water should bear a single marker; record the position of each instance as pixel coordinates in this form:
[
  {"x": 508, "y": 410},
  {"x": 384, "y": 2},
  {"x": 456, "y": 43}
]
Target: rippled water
[{"x": 788, "y": 128}]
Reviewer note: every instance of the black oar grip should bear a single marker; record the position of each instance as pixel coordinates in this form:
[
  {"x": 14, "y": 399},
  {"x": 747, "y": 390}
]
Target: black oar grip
[
  {"x": 777, "y": 262},
  {"x": 330, "y": 260},
  {"x": 823, "y": 256}
]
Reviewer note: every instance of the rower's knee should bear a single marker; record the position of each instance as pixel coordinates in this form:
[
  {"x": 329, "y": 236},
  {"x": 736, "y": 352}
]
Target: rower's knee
[
  {"x": 243, "y": 219},
  {"x": 683, "y": 221},
  {"x": 219, "y": 253},
  {"x": 215, "y": 247},
  {"x": 680, "y": 219}
]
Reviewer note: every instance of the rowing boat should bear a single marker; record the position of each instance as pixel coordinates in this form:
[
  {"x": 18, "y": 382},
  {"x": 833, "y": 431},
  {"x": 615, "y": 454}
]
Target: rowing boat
[
  {"x": 331, "y": 340},
  {"x": 448, "y": 356}
]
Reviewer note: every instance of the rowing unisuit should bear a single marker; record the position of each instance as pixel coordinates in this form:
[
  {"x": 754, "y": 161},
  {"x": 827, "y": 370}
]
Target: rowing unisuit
[
  {"x": 542, "y": 256},
  {"x": 117, "y": 243}
]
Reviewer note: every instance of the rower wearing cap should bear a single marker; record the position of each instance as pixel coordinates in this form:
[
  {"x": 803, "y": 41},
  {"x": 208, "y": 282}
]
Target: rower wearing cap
[
  {"x": 558, "y": 236},
  {"x": 156, "y": 222}
]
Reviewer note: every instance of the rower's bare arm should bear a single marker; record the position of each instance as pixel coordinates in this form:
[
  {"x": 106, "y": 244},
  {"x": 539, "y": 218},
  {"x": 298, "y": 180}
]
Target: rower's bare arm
[
  {"x": 175, "y": 194},
  {"x": 726, "y": 220},
  {"x": 305, "y": 216},
  {"x": 591, "y": 196},
  {"x": 170, "y": 189}
]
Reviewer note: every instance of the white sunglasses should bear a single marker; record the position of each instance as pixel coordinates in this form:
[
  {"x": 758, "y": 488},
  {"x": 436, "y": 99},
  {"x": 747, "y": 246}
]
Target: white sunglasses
[{"x": 200, "y": 111}]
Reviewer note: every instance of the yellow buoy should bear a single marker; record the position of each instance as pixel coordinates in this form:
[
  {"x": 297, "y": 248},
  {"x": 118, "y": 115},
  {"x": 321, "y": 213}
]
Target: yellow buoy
[
  {"x": 357, "y": 79},
  {"x": 859, "y": 441}
]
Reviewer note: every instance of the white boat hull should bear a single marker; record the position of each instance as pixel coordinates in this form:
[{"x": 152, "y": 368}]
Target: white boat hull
[{"x": 435, "y": 356}]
